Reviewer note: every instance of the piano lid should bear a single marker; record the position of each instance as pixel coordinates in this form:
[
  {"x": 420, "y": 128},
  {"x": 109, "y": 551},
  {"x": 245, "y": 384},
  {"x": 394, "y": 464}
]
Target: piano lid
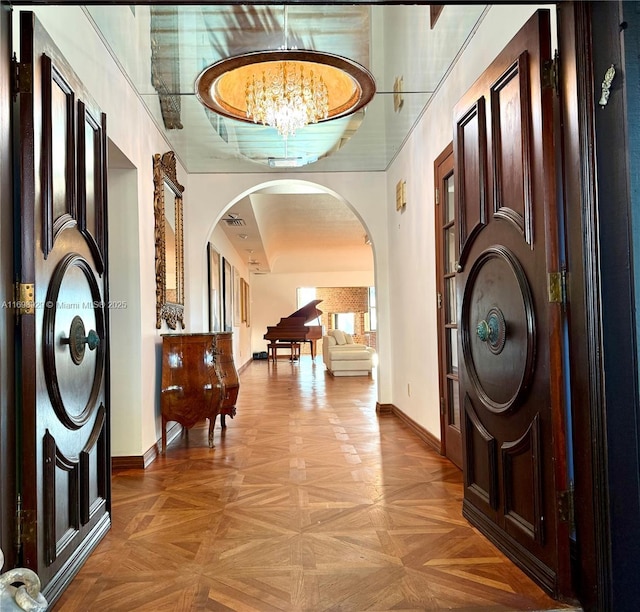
[{"x": 308, "y": 311}]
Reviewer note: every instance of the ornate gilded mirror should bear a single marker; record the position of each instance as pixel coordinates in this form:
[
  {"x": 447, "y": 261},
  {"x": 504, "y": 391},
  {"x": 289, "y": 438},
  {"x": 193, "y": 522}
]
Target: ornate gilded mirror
[{"x": 167, "y": 205}]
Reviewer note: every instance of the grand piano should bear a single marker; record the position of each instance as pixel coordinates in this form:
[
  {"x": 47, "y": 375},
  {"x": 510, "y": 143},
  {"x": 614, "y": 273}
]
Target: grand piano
[{"x": 294, "y": 328}]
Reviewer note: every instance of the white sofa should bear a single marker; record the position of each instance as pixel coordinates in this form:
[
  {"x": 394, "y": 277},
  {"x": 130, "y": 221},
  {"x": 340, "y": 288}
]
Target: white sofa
[{"x": 343, "y": 357}]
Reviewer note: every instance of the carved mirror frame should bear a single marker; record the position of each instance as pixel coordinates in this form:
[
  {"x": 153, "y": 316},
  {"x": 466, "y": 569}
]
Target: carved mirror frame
[{"x": 167, "y": 207}]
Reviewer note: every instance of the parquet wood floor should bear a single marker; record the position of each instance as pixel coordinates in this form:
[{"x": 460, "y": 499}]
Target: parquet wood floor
[{"x": 309, "y": 502}]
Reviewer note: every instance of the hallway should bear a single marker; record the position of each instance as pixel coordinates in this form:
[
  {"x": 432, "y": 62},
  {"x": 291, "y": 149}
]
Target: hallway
[{"x": 309, "y": 502}]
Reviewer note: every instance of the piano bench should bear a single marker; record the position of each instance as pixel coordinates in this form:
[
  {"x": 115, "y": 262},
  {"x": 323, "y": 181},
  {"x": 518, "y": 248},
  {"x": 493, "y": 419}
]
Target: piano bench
[{"x": 292, "y": 347}]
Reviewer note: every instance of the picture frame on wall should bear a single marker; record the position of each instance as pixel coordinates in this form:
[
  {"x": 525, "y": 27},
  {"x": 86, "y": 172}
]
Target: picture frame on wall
[
  {"x": 248, "y": 290},
  {"x": 227, "y": 294},
  {"x": 237, "y": 310},
  {"x": 245, "y": 298},
  {"x": 215, "y": 289}
]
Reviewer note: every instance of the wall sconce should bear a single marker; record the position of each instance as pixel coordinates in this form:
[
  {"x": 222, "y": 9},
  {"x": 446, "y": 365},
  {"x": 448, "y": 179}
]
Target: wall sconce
[
  {"x": 401, "y": 195},
  {"x": 398, "y": 100}
]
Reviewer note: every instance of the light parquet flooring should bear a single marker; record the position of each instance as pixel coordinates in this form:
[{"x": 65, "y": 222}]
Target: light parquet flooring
[{"x": 309, "y": 501}]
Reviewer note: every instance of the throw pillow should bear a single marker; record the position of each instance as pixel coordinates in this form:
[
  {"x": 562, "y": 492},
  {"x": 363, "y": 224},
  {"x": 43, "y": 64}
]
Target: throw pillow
[
  {"x": 348, "y": 338},
  {"x": 339, "y": 336}
]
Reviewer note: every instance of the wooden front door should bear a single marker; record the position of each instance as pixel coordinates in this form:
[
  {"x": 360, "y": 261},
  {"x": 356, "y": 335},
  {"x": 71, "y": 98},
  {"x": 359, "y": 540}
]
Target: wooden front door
[
  {"x": 510, "y": 320},
  {"x": 62, "y": 340},
  {"x": 446, "y": 260}
]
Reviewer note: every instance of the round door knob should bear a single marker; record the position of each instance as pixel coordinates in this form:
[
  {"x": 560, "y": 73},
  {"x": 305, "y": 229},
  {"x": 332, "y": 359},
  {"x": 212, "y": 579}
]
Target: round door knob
[
  {"x": 493, "y": 330},
  {"x": 483, "y": 330},
  {"x": 91, "y": 339},
  {"x": 78, "y": 339},
  {"x": 488, "y": 330}
]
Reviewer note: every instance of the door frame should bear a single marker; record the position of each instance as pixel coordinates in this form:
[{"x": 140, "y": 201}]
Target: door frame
[
  {"x": 602, "y": 336},
  {"x": 7, "y": 323}
]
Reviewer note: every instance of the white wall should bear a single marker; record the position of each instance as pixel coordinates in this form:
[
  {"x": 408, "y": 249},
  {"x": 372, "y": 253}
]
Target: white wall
[
  {"x": 412, "y": 287},
  {"x": 126, "y": 395}
]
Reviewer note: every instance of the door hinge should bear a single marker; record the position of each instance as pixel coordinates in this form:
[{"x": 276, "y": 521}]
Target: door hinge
[
  {"x": 442, "y": 410},
  {"x": 439, "y": 300},
  {"x": 22, "y": 81},
  {"x": 551, "y": 73},
  {"x": 25, "y": 526},
  {"x": 23, "y": 298},
  {"x": 566, "y": 508},
  {"x": 437, "y": 196},
  {"x": 557, "y": 285}
]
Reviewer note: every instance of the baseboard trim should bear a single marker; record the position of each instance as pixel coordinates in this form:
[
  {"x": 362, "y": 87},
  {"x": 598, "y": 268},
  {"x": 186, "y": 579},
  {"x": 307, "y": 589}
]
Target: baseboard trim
[
  {"x": 152, "y": 454},
  {"x": 130, "y": 462},
  {"x": 384, "y": 409},
  {"x": 141, "y": 462},
  {"x": 426, "y": 436}
]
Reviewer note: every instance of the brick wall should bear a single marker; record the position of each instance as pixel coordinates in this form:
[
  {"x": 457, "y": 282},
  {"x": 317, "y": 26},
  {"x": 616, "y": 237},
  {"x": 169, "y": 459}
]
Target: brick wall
[{"x": 346, "y": 299}]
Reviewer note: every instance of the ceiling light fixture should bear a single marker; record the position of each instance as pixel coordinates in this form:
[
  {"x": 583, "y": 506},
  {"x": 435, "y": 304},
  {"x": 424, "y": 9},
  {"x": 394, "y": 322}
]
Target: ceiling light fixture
[{"x": 286, "y": 88}]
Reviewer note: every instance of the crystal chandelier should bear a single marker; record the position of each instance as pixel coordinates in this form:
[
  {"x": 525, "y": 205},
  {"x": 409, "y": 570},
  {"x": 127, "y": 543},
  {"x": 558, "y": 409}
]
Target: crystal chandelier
[
  {"x": 285, "y": 88},
  {"x": 287, "y": 98}
]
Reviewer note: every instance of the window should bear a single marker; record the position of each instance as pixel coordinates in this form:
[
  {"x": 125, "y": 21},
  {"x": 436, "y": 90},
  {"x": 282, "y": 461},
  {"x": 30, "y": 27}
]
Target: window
[
  {"x": 346, "y": 321},
  {"x": 306, "y": 295},
  {"x": 371, "y": 320}
]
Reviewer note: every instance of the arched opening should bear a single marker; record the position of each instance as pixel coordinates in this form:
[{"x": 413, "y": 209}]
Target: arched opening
[{"x": 285, "y": 239}]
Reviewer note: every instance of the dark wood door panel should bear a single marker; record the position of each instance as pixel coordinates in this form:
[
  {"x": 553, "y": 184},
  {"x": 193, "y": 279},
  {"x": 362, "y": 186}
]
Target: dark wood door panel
[
  {"x": 481, "y": 462},
  {"x": 510, "y": 479},
  {"x": 498, "y": 330},
  {"x": 75, "y": 493},
  {"x": 63, "y": 342},
  {"x": 61, "y": 507},
  {"x": 470, "y": 150},
  {"x": 58, "y": 154},
  {"x": 521, "y": 471},
  {"x": 509, "y": 332},
  {"x": 510, "y": 113},
  {"x": 91, "y": 181},
  {"x": 73, "y": 352}
]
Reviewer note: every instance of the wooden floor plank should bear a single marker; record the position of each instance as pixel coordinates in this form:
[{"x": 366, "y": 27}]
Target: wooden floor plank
[{"x": 308, "y": 502}]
